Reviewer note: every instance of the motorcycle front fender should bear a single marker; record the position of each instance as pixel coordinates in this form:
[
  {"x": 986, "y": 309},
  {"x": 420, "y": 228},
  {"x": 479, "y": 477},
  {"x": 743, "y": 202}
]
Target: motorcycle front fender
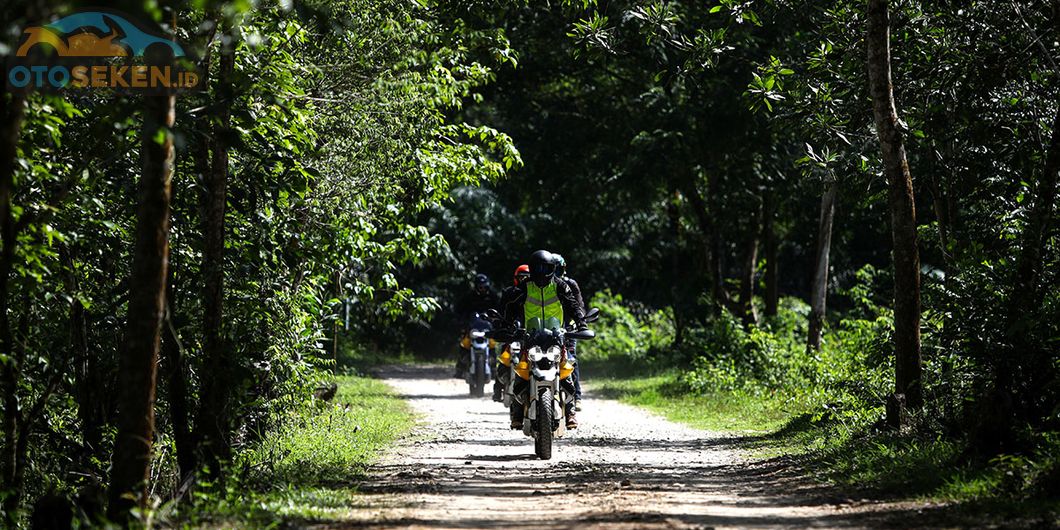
[
  {"x": 534, "y": 394},
  {"x": 545, "y": 375},
  {"x": 475, "y": 353},
  {"x": 531, "y": 410}
]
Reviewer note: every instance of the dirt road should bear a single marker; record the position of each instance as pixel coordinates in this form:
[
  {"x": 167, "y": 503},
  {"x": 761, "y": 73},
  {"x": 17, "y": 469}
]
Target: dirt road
[{"x": 623, "y": 468}]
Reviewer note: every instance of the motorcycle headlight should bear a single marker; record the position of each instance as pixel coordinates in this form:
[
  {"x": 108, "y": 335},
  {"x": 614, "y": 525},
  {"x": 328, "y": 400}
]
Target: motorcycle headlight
[
  {"x": 553, "y": 353},
  {"x": 547, "y": 359},
  {"x": 535, "y": 354},
  {"x": 478, "y": 334}
]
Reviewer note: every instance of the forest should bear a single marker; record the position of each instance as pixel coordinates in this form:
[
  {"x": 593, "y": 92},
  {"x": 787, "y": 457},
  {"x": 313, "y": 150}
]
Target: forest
[{"x": 833, "y": 221}]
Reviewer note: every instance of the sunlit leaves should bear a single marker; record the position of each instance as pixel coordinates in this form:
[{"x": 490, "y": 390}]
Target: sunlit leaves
[
  {"x": 593, "y": 33},
  {"x": 767, "y": 84},
  {"x": 740, "y": 12},
  {"x": 707, "y": 47}
]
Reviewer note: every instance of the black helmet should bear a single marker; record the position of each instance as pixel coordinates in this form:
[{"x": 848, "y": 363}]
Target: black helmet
[
  {"x": 560, "y": 263},
  {"x": 542, "y": 267},
  {"x": 481, "y": 280}
]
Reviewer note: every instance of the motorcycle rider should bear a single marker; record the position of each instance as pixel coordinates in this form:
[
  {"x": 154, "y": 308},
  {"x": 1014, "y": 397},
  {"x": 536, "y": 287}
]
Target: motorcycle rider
[
  {"x": 572, "y": 344},
  {"x": 521, "y": 274},
  {"x": 543, "y": 295},
  {"x": 479, "y": 300}
]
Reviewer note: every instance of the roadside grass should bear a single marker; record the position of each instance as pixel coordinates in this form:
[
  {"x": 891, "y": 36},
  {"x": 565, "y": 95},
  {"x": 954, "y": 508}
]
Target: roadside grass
[
  {"x": 307, "y": 468},
  {"x": 714, "y": 412},
  {"x": 907, "y": 466},
  {"x": 362, "y": 359},
  {"x": 821, "y": 411},
  {"x": 857, "y": 457}
]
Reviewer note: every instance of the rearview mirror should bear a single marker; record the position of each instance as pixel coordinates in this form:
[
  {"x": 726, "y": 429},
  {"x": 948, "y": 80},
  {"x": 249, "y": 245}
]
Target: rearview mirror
[
  {"x": 493, "y": 314},
  {"x": 592, "y": 315},
  {"x": 584, "y": 334}
]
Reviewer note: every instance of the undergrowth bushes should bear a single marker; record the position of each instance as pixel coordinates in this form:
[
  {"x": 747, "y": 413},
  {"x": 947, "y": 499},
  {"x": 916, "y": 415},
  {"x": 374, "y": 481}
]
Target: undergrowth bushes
[
  {"x": 306, "y": 465},
  {"x": 847, "y": 380},
  {"x": 833, "y": 398},
  {"x": 627, "y": 330}
]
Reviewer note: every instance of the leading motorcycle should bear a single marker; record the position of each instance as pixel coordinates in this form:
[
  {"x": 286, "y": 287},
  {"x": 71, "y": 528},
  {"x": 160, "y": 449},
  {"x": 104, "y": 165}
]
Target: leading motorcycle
[{"x": 540, "y": 385}]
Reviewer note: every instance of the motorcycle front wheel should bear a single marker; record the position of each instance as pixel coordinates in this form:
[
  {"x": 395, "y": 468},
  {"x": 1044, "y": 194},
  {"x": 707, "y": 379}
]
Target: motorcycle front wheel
[
  {"x": 478, "y": 379},
  {"x": 543, "y": 442}
]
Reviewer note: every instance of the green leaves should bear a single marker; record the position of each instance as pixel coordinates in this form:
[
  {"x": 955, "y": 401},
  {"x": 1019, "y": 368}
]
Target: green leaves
[
  {"x": 593, "y": 34},
  {"x": 767, "y": 85},
  {"x": 739, "y": 12}
]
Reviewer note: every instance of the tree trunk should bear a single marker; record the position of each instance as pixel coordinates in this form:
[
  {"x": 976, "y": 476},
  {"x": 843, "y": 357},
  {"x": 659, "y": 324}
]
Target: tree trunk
[
  {"x": 939, "y": 202},
  {"x": 213, "y": 420},
  {"x": 173, "y": 365},
  {"x": 22, "y": 426},
  {"x": 713, "y": 244},
  {"x": 137, "y": 367},
  {"x": 1028, "y": 287},
  {"x": 769, "y": 242},
  {"x": 12, "y": 109},
  {"x": 747, "y": 313},
  {"x": 717, "y": 253},
  {"x": 819, "y": 288},
  {"x": 80, "y": 358},
  {"x": 903, "y": 211},
  {"x": 676, "y": 270}
]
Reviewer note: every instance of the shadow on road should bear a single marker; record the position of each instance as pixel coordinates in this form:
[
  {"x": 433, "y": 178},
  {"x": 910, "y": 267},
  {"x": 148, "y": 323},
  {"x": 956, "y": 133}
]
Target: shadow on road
[
  {"x": 667, "y": 484},
  {"x": 433, "y": 372},
  {"x": 941, "y": 517},
  {"x": 773, "y": 486}
]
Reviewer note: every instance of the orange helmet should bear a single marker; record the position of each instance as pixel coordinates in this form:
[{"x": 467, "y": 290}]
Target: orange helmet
[{"x": 522, "y": 272}]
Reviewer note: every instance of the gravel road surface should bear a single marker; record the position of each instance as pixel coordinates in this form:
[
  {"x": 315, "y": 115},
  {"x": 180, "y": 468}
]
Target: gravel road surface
[{"x": 622, "y": 468}]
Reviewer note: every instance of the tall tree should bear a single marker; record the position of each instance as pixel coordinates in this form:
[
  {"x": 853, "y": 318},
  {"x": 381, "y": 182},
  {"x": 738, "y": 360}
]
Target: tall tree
[
  {"x": 173, "y": 367},
  {"x": 819, "y": 285},
  {"x": 710, "y": 240},
  {"x": 1024, "y": 374},
  {"x": 747, "y": 312},
  {"x": 137, "y": 372},
  {"x": 769, "y": 244},
  {"x": 1039, "y": 218},
  {"x": 906, "y": 256},
  {"x": 212, "y": 422},
  {"x": 12, "y": 109}
]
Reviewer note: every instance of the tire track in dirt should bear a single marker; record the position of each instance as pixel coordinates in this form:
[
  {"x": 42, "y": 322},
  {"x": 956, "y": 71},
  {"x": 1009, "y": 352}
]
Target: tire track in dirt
[{"x": 622, "y": 468}]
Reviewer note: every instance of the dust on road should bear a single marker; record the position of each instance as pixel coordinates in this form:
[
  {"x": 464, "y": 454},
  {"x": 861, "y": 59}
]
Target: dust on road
[{"x": 622, "y": 468}]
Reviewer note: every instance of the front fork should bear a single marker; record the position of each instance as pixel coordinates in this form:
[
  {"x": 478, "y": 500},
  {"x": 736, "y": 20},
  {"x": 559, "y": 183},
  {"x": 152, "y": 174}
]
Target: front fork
[
  {"x": 485, "y": 352},
  {"x": 560, "y": 398}
]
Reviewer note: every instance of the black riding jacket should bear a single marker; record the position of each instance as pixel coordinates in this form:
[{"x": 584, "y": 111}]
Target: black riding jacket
[{"x": 577, "y": 290}]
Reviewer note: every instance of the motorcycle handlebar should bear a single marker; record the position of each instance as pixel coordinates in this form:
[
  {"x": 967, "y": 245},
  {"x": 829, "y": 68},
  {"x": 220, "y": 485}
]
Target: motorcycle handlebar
[{"x": 521, "y": 334}]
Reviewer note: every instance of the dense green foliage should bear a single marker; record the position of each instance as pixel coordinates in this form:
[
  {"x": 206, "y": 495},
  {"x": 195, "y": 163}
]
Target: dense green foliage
[{"x": 341, "y": 133}]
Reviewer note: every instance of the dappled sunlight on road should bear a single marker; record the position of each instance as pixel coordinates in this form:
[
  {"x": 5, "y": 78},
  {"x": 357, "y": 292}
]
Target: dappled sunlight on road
[{"x": 623, "y": 468}]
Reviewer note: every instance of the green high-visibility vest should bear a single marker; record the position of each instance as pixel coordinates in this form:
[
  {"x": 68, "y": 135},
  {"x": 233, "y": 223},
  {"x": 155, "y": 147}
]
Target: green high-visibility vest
[{"x": 542, "y": 308}]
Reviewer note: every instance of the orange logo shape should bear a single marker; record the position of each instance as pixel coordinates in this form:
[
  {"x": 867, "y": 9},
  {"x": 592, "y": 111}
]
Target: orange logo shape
[
  {"x": 85, "y": 44},
  {"x": 93, "y": 34},
  {"x": 98, "y": 49}
]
